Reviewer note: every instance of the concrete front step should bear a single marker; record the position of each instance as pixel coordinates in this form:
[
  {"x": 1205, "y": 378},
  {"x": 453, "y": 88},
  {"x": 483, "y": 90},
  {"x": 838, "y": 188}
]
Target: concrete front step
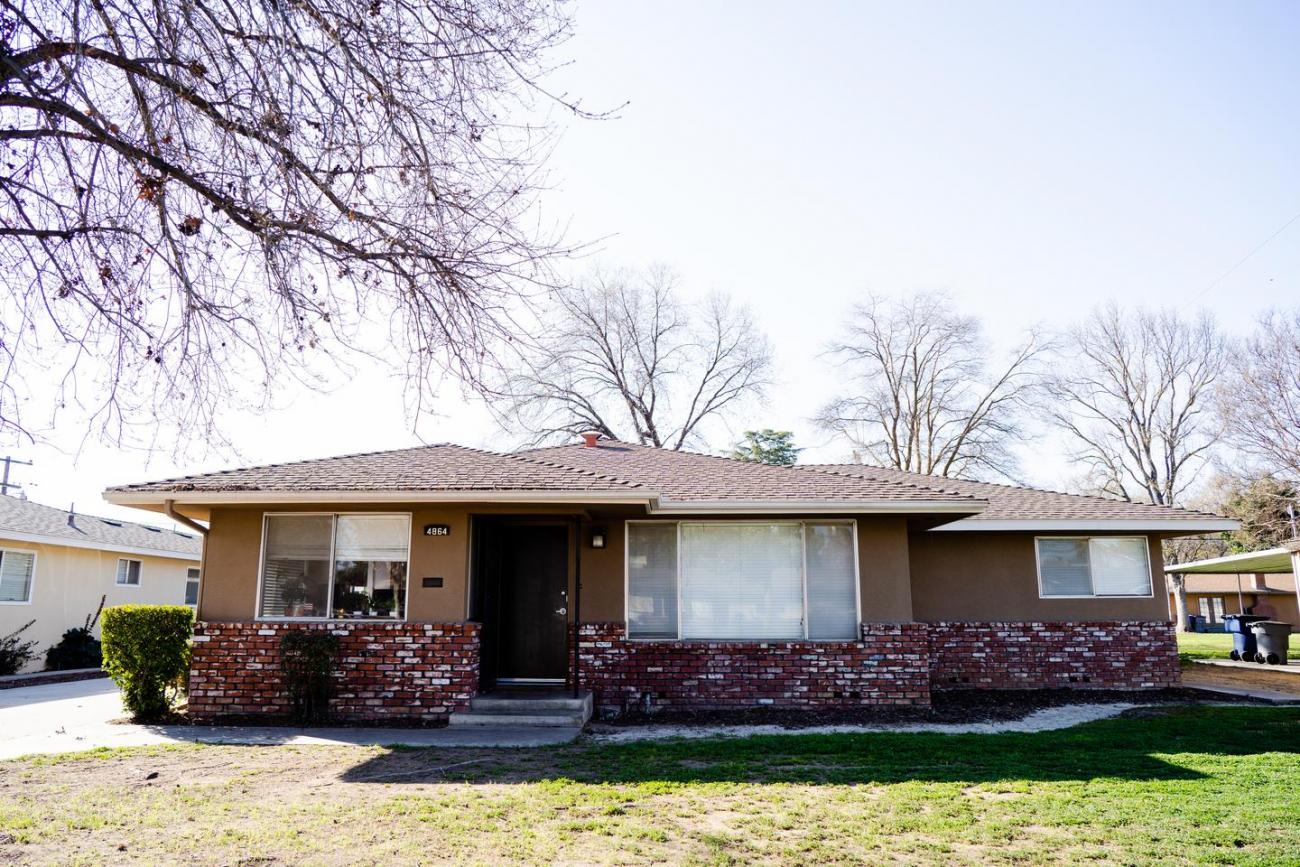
[{"x": 525, "y": 710}]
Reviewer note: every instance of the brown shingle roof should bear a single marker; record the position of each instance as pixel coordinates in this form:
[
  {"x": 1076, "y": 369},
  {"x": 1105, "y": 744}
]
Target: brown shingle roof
[
  {"x": 442, "y": 467},
  {"x": 686, "y": 477},
  {"x": 1012, "y": 503}
]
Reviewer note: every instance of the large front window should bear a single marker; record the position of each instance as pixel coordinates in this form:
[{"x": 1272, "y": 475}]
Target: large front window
[
  {"x": 335, "y": 566},
  {"x": 741, "y": 580}
]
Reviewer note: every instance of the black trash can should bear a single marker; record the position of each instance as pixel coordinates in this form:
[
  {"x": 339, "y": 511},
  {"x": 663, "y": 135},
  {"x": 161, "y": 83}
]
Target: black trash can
[
  {"x": 1272, "y": 640},
  {"x": 1243, "y": 640}
]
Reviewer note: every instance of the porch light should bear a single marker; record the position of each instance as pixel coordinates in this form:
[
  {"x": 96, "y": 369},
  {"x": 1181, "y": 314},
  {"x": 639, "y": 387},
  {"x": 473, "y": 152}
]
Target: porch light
[{"x": 598, "y": 537}]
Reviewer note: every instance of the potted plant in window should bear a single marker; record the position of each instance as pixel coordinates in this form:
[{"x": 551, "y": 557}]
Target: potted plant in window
[
  {"x": 381, "y": 606},
  {"x": 294, "y": 595},
  {"x": 351, "y": 603}
]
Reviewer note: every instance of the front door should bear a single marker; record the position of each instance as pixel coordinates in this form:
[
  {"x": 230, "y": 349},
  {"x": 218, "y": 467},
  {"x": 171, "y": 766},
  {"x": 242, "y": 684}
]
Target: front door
[{"x": 531, "y": 601}]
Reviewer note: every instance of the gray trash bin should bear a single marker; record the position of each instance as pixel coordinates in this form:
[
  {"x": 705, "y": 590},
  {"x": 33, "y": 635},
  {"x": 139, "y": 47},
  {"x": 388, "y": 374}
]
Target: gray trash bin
[{"x": 1272, "y": 639}]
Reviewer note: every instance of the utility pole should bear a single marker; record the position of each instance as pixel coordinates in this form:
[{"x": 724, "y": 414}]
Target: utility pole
[{"x": 5, "y": 485}]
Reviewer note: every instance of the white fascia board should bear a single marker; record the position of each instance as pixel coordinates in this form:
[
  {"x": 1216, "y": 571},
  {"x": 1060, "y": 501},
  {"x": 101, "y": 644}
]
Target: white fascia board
[
  {"x": 1190, "y": 526},
  {"x": 91, "y": 545},
  {"x": 822, "y": 507},
  {"x": 156, "y": 498}
]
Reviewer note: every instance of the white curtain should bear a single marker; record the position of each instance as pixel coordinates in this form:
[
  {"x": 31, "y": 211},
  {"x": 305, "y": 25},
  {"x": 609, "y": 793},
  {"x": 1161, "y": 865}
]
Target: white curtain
[
  {"x": 364, "y": 538},
  {"x": 16, "y": 576},
  {"x": 832, "y": 598},
  {"x": 742, "y": 581},
  {"x": 652, "y": 580},
  {"x": 1120, "y": 567}
]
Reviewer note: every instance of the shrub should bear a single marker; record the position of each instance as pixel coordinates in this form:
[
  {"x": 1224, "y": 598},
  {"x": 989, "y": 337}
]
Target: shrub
[
  {"x": 147, "y": 653},
  {"x": 78, "y": 648},
  {"x": 307, "y": 661},
  {"x": 14, "y": 652}
]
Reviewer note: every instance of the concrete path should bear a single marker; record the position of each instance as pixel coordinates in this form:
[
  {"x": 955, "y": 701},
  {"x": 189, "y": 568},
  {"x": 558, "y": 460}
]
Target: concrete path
[
  {"x": 1292, "y": 667},
  {"x": 71, "y": 717}
]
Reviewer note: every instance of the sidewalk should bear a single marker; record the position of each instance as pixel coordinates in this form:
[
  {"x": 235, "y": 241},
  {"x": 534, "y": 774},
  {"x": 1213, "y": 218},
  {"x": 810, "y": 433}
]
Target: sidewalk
[{"x": 77, "y": 716}]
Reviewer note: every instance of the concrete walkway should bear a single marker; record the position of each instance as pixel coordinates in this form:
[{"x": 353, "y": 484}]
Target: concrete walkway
[
  {"x": 1292, "y": 667},
  {"x": 71, "y": 717}
]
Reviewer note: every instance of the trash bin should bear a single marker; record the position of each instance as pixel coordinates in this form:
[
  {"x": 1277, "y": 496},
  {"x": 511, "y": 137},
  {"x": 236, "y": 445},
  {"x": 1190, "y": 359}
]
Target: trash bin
[
  {"x": 1272, "y": 639},
  {"x": 1243, "y": 640}
]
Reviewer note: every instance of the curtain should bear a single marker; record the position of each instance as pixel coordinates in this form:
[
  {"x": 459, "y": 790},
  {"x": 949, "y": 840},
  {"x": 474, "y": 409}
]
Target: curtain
[
  {"x": 652, "y": 580},
  {"x": 742, "y": 581},
  {"x": 1120, "y": 567},
  {"x": 1063, "y": 567},
  {"x": 832, "y": 597},
  {"x": 16, "y": 576}
]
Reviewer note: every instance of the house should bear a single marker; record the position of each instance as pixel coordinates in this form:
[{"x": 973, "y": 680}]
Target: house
[
  {"x": 1254, "y": 582},
  {"x": 55, "y": 566},
  {"x": 662, "y": 579}
]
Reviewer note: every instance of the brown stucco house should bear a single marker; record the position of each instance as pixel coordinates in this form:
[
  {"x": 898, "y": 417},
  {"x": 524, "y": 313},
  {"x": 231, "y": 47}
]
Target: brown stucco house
[{"x": 655, "y": 578}]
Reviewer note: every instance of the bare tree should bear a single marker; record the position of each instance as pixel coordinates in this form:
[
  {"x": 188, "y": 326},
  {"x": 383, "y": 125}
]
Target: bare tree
[
  {"x": 925, "y": 395},
  {"x": 1259, "y": 399},
  {"x": 1132, "y": 394},
  {"x": 624, "y": 355},
  {"x": 200, "y": 196}
]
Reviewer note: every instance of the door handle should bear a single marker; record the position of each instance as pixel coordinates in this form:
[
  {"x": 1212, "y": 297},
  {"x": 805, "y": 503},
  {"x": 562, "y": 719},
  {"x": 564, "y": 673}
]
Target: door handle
[{"x": 561, "y": 611}]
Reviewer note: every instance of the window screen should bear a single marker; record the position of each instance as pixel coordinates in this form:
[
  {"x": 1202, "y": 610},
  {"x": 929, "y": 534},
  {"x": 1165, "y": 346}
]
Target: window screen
[
  {"x": 832, "y": 596},
  {"x": 652, "y": 580},
  {"x": 16, "y": 576}
]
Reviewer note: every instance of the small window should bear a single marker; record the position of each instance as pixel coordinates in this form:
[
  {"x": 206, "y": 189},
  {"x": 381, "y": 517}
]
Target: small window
[
  {"x": 192, "y": 587},
  {"x": 16, "y": 569},
  {"x": 128, "y": 573},
  {"x": 1094, "y": 567}
]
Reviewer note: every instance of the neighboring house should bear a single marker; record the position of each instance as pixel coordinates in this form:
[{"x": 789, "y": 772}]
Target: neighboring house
[
  {"x": 694, "y": 581},
  {"x": 1256, "y": 582},
  {"x": 55, "y": 566}
]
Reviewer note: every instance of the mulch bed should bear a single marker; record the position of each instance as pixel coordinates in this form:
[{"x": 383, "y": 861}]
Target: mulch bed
[{"x": 955, "y": 706}]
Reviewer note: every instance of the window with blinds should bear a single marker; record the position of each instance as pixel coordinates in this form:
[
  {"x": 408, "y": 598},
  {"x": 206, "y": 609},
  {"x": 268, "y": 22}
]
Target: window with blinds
[
  {"x": 16, "y": 569},
  {"x": 335, "y": 566},
  {"x": 1093, "y": 566},
  {"x": 741, "y": 580}
]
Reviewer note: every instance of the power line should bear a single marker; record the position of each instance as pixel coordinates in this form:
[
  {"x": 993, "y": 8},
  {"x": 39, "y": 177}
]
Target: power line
[{"x": 1245, "y": 258}]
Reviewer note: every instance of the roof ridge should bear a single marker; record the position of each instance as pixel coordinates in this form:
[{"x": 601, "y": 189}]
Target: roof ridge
[
  {"x": 822, "y": 468},
  {"x": 516, "y": 456},
  {"x": 760, "y": 465}
]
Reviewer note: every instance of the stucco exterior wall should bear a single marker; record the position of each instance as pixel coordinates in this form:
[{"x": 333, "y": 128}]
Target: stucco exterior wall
[
  {"x": 975, "y": 576},
  {"x": 68, "y": 582},
  {"x": 234, "y": 544}
]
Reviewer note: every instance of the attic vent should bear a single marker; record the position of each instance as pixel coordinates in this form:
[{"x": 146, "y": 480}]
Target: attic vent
[
  {"x": 152, "y": 529},
  {"x": 111, "y": 523}
]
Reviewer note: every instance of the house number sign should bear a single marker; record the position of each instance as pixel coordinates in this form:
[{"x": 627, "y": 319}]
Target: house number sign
[{"x": 437, "y": 530}]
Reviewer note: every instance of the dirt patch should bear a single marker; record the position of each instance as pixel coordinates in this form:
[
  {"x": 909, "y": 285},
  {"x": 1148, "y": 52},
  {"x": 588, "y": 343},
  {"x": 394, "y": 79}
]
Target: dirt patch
[{"x": 955, "y": 706}]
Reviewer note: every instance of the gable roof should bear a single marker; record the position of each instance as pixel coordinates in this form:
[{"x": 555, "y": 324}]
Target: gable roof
[
  {"x": 25, "y": 521},
  {"x": 1012, "y": 507}
]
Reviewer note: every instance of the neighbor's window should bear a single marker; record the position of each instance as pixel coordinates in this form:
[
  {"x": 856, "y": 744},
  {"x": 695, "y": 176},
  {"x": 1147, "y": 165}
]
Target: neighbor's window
[
  {"x": 128, "y": 573},
  {"x": 192, "y": 587},
  {"x": 16, "y": 569},
  {"x": 1097, "y": 566},
  {"x": 343, "y": 566},
  {"x": 741, "y": 580}
]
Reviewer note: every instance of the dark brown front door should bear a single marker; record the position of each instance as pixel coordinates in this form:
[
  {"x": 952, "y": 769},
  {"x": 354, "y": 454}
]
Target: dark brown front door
[{"x": 531, "y": 600}]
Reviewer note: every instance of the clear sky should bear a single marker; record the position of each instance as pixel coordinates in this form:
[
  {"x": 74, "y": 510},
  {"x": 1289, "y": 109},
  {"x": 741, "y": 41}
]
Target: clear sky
[{"x": 1032, "y": 159}]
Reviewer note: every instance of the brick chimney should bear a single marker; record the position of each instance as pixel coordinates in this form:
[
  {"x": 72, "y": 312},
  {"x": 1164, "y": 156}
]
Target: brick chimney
[{"x": 590, "y": 438}]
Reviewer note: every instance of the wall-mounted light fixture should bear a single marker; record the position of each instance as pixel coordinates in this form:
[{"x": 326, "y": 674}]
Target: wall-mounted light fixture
[{"x": 598, "y": 537}]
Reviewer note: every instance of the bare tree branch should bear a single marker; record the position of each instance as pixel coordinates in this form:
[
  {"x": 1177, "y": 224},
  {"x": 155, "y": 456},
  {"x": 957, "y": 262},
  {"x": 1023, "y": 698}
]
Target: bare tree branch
[
  {"x": 622, "y": 355},
  {"x": 922, "y": 397},
  {"x": 1260, "y": 398},
  {"x": 204, "y": 198}
]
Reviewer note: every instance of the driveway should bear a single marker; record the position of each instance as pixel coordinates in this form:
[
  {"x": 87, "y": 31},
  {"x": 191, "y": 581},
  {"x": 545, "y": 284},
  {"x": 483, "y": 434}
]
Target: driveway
[{"x": 70, "y": 717}]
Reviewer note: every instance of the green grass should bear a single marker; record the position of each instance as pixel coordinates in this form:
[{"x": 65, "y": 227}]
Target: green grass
[
  {"x": 1210, "y": 785},
  {"x": 1215, "y": 645}
]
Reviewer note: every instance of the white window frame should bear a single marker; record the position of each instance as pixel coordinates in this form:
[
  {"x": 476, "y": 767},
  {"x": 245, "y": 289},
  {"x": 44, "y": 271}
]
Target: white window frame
[
  {"x": 803, "y": 543},
  {"x": 198, "y": 581},
  {"x": 1146, "y": 553},
  {"x": 139, "y": 573},
  {"x": 261, "y": 567},
  {"x": 31, "y": 584}
]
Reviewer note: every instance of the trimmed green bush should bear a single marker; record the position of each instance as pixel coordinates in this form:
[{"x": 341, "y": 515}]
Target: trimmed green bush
[{"x": 147, "y": 654}]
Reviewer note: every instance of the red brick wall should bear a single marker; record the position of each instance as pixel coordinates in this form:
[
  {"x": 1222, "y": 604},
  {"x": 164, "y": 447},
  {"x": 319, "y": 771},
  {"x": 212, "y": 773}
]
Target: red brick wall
[
  {"x": 416, "y": 672},
  {"x": 887, "y": 666},
  {"x": 1102, "y": 655}
]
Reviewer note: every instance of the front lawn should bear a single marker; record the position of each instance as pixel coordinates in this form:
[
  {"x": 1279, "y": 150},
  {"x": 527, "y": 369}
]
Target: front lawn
[
  {"x": 1185, "y": 784},
  {"x": 1215, "y": 645}
]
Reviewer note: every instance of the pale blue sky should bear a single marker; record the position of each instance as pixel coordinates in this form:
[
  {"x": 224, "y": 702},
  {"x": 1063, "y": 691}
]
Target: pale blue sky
[{"x": 1031, "y": 159}]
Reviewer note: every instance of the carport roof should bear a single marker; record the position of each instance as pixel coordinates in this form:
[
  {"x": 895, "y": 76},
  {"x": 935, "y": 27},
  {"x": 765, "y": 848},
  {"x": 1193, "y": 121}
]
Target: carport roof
[{"x": 1270, "y": 561}]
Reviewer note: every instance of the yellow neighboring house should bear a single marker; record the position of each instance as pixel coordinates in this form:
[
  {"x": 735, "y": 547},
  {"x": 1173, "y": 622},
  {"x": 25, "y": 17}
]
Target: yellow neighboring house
[{"x": 56, "y": 565}]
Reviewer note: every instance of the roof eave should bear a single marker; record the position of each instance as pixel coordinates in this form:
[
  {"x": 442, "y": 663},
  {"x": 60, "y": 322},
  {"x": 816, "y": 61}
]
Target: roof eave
[
  {"x": 824, "y": 507},
  {"x": 1189, "y": 526},
  {"x": 148, "y": 498}
]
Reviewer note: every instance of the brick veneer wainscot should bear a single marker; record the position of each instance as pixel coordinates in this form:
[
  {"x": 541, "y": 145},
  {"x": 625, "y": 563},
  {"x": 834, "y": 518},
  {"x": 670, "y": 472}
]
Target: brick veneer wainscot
[
  {"x": 415, "y": 672},
  {"x": 1133, "y": 654},
  {"x": 887, "y": 666}
]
